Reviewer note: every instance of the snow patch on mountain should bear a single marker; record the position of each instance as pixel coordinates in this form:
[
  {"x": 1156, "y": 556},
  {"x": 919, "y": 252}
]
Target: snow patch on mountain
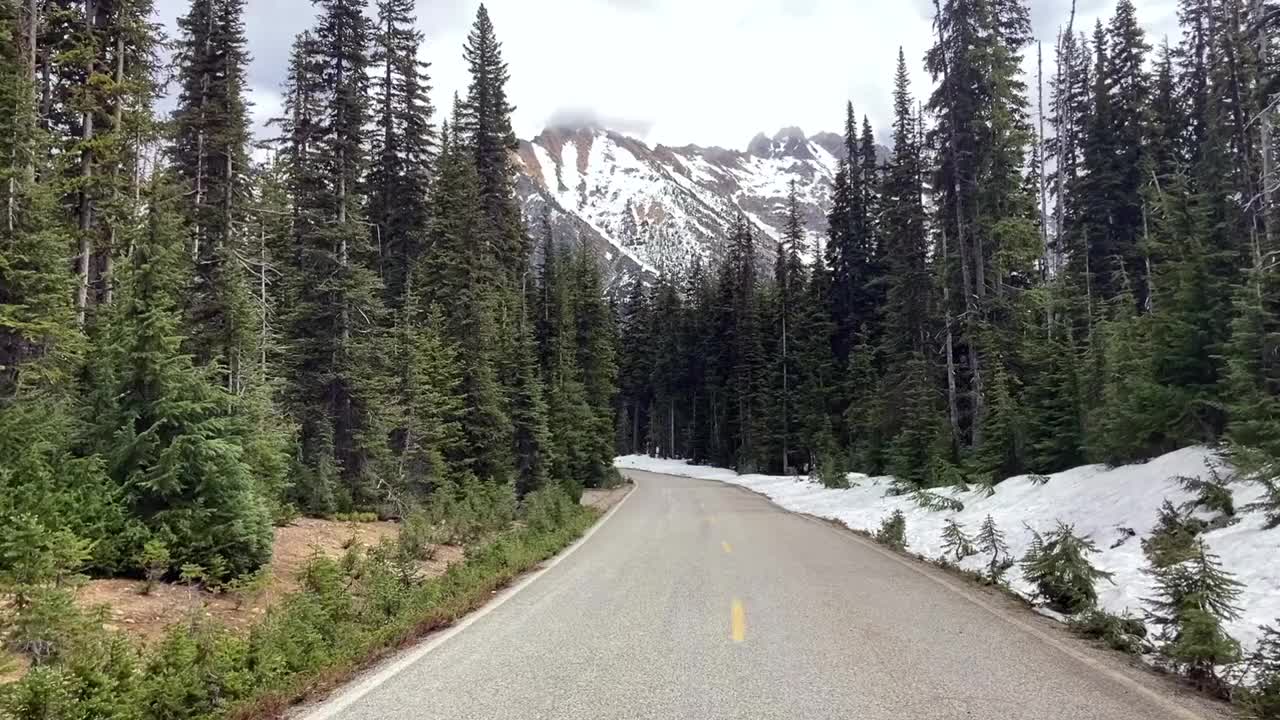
[{"x": 667, "y": 207}]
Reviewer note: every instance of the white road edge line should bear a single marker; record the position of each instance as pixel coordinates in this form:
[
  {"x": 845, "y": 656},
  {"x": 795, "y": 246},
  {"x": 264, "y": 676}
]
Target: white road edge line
[{"x": 330, "y": 708}]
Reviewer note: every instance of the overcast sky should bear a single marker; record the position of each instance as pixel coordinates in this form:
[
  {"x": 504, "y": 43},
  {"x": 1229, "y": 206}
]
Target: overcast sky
[{"x": 710, "y": 72}]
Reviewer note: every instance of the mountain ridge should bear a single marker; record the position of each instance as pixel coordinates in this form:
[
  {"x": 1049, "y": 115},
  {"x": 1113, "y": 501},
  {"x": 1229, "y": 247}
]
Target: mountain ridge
[{"x": 661, "y": 208}]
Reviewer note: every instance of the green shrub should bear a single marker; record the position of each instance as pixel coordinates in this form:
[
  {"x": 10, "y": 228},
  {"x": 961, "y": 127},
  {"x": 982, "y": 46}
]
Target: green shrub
[
  {"x": 955, "y": 542},
  {"x": 345, "y": 611},
  {"x": 1173, "y": 539},
  {"x": 893, "y": 531},
  {"x": 832, "y": 473},
  {"x": 1193, "y": 598},
  {"x": 1119, "y": 632},
  {"x": 1213, "y": 494},
  {"x": 547, "y": 509},
  {"x": 154, "y": 560},
  {"x": 1057, "y": 564},
  {"x": 463, "y": 512},
  {"x": 1262, "y": 699},
  {"x": 934, "y": 502},
  {"x": 250, "y": 586},
  {"x": 991, "y": 542},
  {"x": 415, "y": 535},
  {"x": 355, "y": 517}
]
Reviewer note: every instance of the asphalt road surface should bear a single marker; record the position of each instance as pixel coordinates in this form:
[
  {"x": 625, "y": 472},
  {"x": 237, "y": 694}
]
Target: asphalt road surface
[{"x": 699, "y": 600}]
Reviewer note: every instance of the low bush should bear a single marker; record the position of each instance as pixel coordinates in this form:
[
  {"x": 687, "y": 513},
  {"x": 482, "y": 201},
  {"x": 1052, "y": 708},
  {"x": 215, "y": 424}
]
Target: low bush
[
  {"x": 955, "y": 542},
  {"x": 347, "y": 612},
  {"x": 991, "y": 543},
  {"x": 933, "y": 502},
  {"x": 1119, "y": 632},
  {"x": 1173, "y": 539},
  {"x": 355, "y": 517},
  {"x": 1057, "y": 564},
  {"x": 893, "y": 531},
  {"x": 832, "y": 474},
  {"x": 1261, "y": 700},
  {"x": 467, "y": 510}
]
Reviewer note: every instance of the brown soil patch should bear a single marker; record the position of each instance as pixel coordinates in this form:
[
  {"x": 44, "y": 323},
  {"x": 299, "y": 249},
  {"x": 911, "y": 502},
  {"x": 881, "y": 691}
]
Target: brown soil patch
[
  {"x": 12, "y": 667},
  {"x": 145, "y": 617},
  {"x": 603, "y": 499}
]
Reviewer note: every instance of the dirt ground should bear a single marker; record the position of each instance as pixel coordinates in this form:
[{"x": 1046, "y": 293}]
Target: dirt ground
[
  {"x": 145, "y": 617},
  {"x": 604, "y": 499}
]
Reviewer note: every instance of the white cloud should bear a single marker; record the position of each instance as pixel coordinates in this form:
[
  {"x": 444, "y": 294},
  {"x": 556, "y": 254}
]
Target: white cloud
[{"x": 678, "y": 71}]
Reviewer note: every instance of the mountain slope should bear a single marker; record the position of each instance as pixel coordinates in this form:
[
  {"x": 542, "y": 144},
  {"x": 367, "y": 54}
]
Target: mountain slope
[{"x": 660, "y": 208}]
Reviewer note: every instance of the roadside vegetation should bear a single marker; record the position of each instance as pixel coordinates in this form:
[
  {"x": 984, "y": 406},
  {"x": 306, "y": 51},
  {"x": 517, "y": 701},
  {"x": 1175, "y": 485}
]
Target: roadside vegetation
[
  {"x": 203, "y": 341},
  {"x": 347, "y": 612}
]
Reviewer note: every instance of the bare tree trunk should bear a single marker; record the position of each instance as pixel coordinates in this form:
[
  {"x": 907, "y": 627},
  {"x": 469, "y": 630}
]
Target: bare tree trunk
[
  {"x": 1040, "y": 146},
  {"x": 671, "y": 428},
  {"x": 117, "y": 120},
  {"x": 201, "y": 153},
  {"x": 1146, "y": 257},
  {"x": 953, "y": 407},
  {"x": 84, "y": 211},
  {"x": 262, "y": 300},
  {"x": 971, "y": 309},
  {"x": 1263, "y": 50}
]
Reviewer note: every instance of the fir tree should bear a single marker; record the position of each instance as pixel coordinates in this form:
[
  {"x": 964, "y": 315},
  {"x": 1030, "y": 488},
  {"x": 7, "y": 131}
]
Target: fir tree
[
  {"x": 485, "y": 128},
  {"x": 170, "y": 436},
  {"x": 955, "y": 541},
  {"x": 402, "y": 149},
  {"x": 210, "y": 155},
  {"x": 1262, "y": 700},
  {"x": 1193, "y": 598},
  {"x": 991, "y": 542},
  {"x": 1057, "y": 564},
  {"x": 459, "y": 280},
  {"x": 528, "y": 408}
]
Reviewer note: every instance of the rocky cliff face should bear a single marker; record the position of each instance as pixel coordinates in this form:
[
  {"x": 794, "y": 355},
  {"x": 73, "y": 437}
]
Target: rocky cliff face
[{"x": 654, "y": 209}]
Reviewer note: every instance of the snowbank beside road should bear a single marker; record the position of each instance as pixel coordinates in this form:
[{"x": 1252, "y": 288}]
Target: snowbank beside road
[{"x": 1103, "y": 503}]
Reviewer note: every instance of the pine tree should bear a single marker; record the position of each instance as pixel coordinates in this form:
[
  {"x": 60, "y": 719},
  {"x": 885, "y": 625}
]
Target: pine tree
[
  {"x": 783, "y": 421},
  {"x": 402, "y": 149},
  {"x": 528, "y": 407},
  {"x": 210, "y": 156},
  {"x": 459, "y": 279},
  {"x": 635, "y": 371},
  {"x": 597, "y": 361},
  {"x": 338, "y": 386},
  {"x": 1193, "y": 598},
  {"x": 1262, "y": 700},
  {"x": 1057, "y": 564},
  {"x": 485, "y": 128},
  {"x": 955, "y": 541},
  {"x": 170, "y": 436},
  {"x": 428, "y": 433},
  {"x": 991, "y": 542}
]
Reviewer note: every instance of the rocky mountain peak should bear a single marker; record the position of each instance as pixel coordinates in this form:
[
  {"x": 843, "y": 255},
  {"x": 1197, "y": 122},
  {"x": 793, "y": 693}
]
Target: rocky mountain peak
[{"x": 649, "y": 209}]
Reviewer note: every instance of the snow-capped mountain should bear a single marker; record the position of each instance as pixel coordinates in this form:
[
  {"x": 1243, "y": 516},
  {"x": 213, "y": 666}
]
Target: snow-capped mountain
[{"x": 657, "y": 208}]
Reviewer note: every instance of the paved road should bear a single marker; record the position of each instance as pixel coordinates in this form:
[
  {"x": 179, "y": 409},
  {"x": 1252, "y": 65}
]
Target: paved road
[{"x": 698, "y": 600}]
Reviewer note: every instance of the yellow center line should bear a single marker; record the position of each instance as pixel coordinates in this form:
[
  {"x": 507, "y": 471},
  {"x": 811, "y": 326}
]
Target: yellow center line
[
  {"x": 726, "y": 546},
  {"x": 738, "y": 619}
]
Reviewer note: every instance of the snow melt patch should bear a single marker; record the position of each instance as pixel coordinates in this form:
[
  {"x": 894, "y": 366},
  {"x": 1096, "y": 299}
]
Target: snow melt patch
[{"x": 1103, "y": 503}]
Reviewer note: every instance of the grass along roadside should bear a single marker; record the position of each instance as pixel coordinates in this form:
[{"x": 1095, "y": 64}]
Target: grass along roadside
[{"x": 348, "y": 613}]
